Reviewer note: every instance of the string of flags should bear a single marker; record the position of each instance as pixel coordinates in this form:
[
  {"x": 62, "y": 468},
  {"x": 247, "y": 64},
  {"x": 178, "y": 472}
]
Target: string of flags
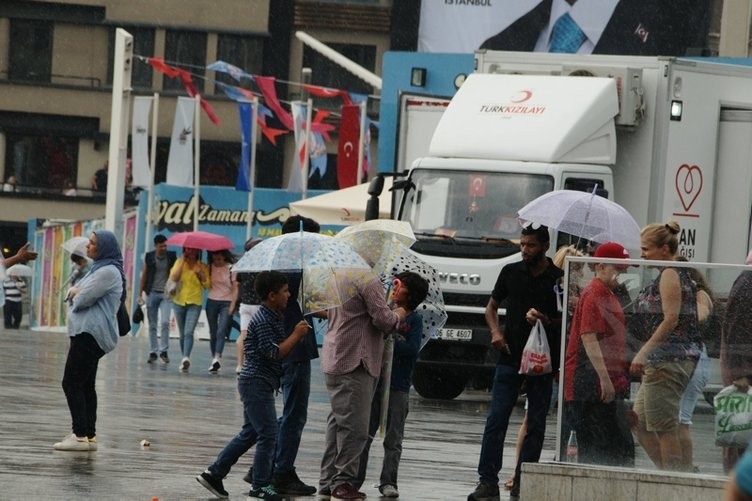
[{"x": 310, "y": 145}]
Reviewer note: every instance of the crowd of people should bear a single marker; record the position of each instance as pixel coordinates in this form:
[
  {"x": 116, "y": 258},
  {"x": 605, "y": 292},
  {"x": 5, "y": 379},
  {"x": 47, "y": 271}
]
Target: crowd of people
[{"x": 669, "y": 315}]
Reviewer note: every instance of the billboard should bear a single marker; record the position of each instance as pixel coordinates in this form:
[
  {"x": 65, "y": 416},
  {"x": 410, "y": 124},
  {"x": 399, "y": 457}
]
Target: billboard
[{"x": 635, "y": 27}]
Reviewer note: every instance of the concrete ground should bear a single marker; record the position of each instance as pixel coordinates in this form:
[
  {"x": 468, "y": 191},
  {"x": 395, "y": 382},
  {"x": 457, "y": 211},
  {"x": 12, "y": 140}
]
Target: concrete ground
[{"x": 188, "y": 417}]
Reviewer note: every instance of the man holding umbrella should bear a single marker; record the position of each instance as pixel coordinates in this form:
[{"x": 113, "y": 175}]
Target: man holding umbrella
[{"x": 528, "y": 288}]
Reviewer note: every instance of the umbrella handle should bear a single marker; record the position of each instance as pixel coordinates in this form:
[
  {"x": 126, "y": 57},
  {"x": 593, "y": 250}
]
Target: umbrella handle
[{"x": 386, "y": 379}]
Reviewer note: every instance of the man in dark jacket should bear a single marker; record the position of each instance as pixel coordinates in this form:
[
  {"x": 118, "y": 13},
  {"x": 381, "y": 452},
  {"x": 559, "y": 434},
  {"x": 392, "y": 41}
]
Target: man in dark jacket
[{"x": 154, "y": 273}]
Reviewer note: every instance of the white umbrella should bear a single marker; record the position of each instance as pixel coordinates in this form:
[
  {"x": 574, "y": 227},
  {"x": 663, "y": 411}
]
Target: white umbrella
[
  {"x": 20, "y": 270},
  {"x": 76, "y": 245},
  {"x": 584, "y": 215}
]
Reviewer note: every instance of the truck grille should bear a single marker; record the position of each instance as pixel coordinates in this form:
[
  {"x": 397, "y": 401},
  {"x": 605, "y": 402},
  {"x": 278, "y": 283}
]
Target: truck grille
[{"x": 457, "y": 299}]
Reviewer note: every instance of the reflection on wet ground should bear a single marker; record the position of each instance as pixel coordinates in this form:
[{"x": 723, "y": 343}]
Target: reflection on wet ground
[{"x": 188, "y": 417}]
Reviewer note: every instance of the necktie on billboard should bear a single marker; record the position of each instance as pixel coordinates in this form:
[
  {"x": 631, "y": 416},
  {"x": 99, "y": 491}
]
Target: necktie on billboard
[
  {"x": 244, "y": 181},
  {"x": 566, "y": 36},
  {"x": 180, "y": 159},
  {"x": 347, "y": 151},
  {"x": 141, "y": 170}
]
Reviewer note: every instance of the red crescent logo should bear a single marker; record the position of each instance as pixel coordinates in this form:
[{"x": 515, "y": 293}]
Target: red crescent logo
[
  {"x": 688, "y": 183},
  {"x": 524, "y": 95}
]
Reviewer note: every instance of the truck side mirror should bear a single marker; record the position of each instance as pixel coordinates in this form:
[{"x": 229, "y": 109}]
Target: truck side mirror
[{"x": 375, "y": 187}]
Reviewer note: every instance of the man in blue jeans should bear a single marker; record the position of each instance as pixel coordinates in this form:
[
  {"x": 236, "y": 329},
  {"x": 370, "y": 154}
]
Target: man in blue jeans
[
  {"x": 527, "y": 287},
  {"x": 157, "y": 265}
]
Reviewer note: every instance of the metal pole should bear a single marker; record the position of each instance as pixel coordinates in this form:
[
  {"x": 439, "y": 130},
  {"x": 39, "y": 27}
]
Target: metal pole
[
  {"x": 121, "y": 100},
  {"x": 252, "y": 174},
  {"x": 152, "y": 167},
  {"x": 306, "y": 162},
  {"x": 196, "y": 160},
  {"x": 351, "y": 66},
  {"x": 361, "y": 144}
]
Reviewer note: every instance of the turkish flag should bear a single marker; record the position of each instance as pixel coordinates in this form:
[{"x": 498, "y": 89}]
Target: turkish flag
[{"x": 347, "y": 151}]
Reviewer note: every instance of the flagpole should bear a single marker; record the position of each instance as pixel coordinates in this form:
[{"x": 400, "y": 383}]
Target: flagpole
[
  {"x": 152, "y": 168},
  {"x": 359, "y": 178},
  {"x": 196, "y": 159},
  {"x": 309, "y": 117},
  {"x": 252, "y": 173}
]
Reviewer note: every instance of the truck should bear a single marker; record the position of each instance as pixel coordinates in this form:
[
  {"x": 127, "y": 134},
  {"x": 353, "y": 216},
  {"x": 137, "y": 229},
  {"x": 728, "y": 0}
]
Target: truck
[{"x": 667, "y": 138}]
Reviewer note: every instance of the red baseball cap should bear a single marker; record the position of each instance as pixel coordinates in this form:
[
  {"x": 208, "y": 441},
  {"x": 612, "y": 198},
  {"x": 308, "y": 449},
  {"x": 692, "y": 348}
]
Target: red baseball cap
[{"x": 611, "y": 250}]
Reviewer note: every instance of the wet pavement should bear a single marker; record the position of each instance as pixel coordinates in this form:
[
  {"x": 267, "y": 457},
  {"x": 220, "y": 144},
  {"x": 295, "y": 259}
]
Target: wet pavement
[{"x": 188, "y": 417}]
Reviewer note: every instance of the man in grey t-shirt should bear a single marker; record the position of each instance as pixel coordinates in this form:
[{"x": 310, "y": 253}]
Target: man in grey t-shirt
[{"x": 154, "y": 273}]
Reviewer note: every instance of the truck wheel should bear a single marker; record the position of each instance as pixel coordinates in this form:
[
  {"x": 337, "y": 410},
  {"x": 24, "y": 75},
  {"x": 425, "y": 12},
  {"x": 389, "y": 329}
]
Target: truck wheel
[{"x": 434, "y": 383}]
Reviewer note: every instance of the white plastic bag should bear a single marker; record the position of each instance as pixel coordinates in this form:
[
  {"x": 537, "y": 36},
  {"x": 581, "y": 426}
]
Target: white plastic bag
[
  {"x": 536, "y": 357},
  {"x": 733, "y": 417}
]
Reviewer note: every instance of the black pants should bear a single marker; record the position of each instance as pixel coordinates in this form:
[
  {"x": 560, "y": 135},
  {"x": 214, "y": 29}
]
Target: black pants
[
  {"x": 603, "y": 434},
  {"x": 12, "y": 312},
  {"x": 78, "y": 383}
]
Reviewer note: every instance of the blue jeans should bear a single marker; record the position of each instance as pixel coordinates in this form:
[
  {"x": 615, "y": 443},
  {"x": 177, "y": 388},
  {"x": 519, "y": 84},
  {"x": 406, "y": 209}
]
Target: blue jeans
[
  {"x": 218, "y": 317},
  {"x": 504, "y": 395},
  {"x": 158, "y": 309},
  {"x": 259, "y": 427},
  {"x": 296, "y": 388},
  {"x": 186, "y": 318}
]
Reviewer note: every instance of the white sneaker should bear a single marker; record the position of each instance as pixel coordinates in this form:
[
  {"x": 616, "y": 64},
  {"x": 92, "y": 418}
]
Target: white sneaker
[
  {"x": 72, "y": 443},
  {"x": 93, "y": 444},
  {"x": 389, "y": 491},
  {"x": 214, "y": 367},
  {"x": 185, "y": 363}
]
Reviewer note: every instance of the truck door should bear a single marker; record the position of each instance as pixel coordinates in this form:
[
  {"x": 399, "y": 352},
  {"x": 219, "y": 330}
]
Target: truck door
[{"x": 732, "y": 189}]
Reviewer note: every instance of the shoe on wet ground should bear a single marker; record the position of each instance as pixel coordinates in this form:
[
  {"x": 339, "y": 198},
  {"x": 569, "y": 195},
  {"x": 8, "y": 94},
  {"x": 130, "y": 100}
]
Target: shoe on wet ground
[
  {"x": 213, "y": 484},
  {"x": 289, "y": 484},
  {"x": 484, "y": 492},
  {"x": 389, "y": 491},
  {"x": 163, "y": 356},
  {"x": 72, "y": 443},
  {"x": 346, "y": 492},
  {"x": 214, "y": 367},
  {"x": 266, "y": 492},
  {"x": 152, "y": 358},
  {"x": 185, "y": 364}
]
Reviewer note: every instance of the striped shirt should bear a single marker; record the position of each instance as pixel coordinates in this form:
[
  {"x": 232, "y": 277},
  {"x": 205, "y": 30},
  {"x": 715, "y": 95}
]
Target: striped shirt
[
  {"x": 13, "y": 289},
  {"x": 265, "y": 331},
  {"x": 355, "y": 330}
]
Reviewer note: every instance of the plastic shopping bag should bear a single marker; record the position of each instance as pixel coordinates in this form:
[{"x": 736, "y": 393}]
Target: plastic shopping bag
[
  {"x": 733, "y": 417},
  {"x": 536, "y": 357}
]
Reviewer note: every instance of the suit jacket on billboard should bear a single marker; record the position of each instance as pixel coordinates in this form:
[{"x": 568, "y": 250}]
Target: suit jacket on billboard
[{"x": 636, "y": 27}]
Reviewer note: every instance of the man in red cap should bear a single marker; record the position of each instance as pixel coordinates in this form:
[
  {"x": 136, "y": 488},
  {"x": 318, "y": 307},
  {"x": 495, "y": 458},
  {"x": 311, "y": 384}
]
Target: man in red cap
[{"x": 596, "y": 370}]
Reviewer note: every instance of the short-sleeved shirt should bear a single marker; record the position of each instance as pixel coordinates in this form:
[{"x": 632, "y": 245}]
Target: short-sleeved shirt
[
  {"x": 519, "y": 291},
  {"x": 261, "y": 346},
  {"x": 598, "y": 312}
]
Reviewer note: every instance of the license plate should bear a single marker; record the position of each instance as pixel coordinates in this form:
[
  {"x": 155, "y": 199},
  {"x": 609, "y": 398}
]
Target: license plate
[{"x": 456, "y": 334}]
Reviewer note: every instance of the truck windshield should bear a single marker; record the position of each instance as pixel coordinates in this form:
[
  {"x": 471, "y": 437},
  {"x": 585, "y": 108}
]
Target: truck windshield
[{"x": 469, "y": 214}]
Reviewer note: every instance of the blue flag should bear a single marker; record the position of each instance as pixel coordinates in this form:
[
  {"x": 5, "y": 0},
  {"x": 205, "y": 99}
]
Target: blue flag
[{"x": 244, "y": 181}]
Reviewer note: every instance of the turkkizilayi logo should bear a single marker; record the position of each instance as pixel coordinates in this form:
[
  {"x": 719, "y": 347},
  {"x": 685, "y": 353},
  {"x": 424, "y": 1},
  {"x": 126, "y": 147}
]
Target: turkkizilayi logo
[{"x": 519, "y": 103}]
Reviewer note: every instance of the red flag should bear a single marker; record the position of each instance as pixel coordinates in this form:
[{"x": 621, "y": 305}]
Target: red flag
[
  {"x": 347, "y": 152},
  {"x": 191, "y": 89},
  {"x": 158, "y": 64}
]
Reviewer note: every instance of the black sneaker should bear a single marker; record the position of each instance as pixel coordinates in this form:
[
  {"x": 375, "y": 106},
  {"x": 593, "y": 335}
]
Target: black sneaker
[
  {"x": 152, "y": 358},
  {"x": 289, "y": 484},
  {"x": 266, "y": 492},
  {"x": 213, "y": 484},
  {"x": 214, "y": 367},
  {"x": 325, "y": 493},
  {"x": 248, "y": 477},
  {"x": 485, "y": 492},
  {"x": 164, "y": 357}
]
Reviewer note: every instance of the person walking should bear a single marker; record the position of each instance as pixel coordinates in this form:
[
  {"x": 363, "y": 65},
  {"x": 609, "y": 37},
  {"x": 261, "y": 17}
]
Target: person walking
[
  {"x": 528, "y": 288},
  {"x": 151, "y": 290},
  {"x": 736, "y": 346},
  {"x": 247, "y": 304},
  {"x": 666, "y": 315},
  {"x": 14, "y": 288},
  {"x": 266, "y": 345},
  {"x": 220, "y": 301},
  {"x": 351, "y": 362},
  {"x": 192, "y": 276},
  {"x": 93, "y": 331}
]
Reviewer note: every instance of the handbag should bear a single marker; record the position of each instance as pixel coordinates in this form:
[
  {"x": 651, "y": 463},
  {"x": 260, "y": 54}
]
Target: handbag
[
  {"x": 138, "y": 315},
  {"x": 733, "y": 417},
  {"x": 123, "y": 320},
  {"x": 536, "y": 356},
  {"x": 171, "y": 288}
]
